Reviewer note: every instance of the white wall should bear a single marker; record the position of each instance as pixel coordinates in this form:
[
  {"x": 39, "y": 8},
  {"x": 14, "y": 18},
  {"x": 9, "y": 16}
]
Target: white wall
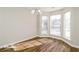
[
  {"x": 75, "y": 25},
  {"x": 16, "y": 24}
]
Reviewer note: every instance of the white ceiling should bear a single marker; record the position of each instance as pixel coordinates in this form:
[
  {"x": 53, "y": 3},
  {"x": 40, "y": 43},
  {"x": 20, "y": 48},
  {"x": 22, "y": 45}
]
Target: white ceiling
[
  {"x": 49, "y": 9},
  {"x": 46, "y": 9}
]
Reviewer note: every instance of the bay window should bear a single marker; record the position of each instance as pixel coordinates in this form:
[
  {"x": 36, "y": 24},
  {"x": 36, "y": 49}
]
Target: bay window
[{"x": 53, "y": 25}]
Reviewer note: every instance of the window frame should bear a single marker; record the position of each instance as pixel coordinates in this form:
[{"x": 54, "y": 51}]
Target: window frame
[
  {"x": 60, "y": 24},
  {"x": 41, "y": 26},
  {"x": 64, "y": 24}
]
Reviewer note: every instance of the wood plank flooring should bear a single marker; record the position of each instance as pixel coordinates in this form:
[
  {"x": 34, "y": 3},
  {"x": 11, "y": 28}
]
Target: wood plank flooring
[{"x": 40, "y": 45}]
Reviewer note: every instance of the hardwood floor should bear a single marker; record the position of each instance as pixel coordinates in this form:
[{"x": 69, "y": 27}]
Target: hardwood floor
[{"x": 40, "y": 45}]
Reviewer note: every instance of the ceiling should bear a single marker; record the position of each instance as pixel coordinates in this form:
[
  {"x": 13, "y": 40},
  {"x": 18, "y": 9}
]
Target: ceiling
[
  {"x": 46, "y": 9},
  {"x": 49, "y": 9}
]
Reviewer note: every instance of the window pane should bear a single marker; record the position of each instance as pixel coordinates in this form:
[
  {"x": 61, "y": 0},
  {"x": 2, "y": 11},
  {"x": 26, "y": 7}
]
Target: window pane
[
  {"x": 55, "y": 25},
  {"x": 44, "y": 25},
  {"x": 67, "y": 25}
]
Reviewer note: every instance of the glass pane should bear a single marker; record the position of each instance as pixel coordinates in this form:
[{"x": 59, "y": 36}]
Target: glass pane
[
  {"x": 55, "y": 25},
  {"x": 44, "y": 25},
  {"x": 67, "y": 25}
]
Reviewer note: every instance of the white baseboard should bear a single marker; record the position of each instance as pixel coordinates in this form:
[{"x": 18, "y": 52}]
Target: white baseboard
[
  {"x": 27, "y": 38},
  {"x": 65, "y": 40}
]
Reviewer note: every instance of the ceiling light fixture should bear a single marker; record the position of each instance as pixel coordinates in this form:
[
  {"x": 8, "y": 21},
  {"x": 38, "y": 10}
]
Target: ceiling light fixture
[{"x": 36, "y": 11}]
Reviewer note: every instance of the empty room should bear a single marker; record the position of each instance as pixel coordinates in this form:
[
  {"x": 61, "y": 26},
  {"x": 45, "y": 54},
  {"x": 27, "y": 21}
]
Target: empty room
[{"x": 39, "y": 29}]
